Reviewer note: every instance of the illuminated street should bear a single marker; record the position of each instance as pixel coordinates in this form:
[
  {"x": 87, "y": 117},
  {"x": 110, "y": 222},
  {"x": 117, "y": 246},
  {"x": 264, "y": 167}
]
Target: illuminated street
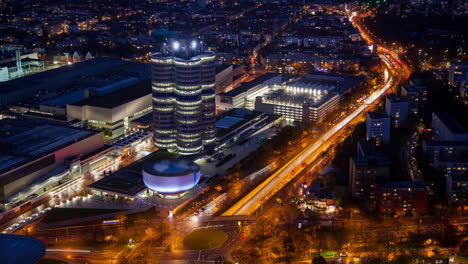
[
  {"x": 252, "y": 201},
  {"x": 233, "y": 132}
]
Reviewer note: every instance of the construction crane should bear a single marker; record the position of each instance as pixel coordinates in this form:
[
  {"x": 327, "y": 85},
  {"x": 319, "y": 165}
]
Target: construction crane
[{"x": 17, "y": 49}]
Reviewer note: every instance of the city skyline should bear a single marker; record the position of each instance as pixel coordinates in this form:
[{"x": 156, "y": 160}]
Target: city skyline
[{"x": 233, "y": 132}]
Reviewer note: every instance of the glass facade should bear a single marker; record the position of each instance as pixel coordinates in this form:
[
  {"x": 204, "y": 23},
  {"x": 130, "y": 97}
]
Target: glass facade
[{"x": 183, "y": 98}]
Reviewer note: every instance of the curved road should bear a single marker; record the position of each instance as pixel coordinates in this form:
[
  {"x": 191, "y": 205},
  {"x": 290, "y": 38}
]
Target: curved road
[{"x": 254, "y": 199}]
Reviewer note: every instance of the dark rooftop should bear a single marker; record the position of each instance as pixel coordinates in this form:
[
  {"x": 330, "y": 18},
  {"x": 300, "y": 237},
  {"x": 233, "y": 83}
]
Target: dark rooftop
[
  {"x": 404, "y": 185},
  {"x": 377, "y": 115},
  {"x": 450, "y": 122},
  {"x": 119, "y": 97},
  {"x": 397, "y": 99},
  {"x": 37, "y": 142},
  {"x": 129, "y": 180},
  {"x": 244, "y": 87},
  {"x": 222, "y": 67},
  {"x": 124, "y": 182},
  {"x": 372, "y": 161},
  {"x": 236, "y": 114},
  {"x": 282, "y": 95},
  {"x": 417, "y": 82},
  {"x": 144, "y": 120},
  {"x": 54, "y": 78}
]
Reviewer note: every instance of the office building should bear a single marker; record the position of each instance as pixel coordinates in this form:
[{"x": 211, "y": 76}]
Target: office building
[
  {"x": 183, "y": 96},
  {"x": 28, "y": 155},
  {"x": 458, "y": 72},
  {"x": 448, "y": 152},
  {"x": 102, "y": 93},
  {"x": 54, "y": 83},
  {"x": 329, "y": 82},
  {"x": 378, "y": 128},
  {"x": 12, "y": 67},
  {"x": 244, "y": 95},
  {"x": 309, "y": 98},
  {"x": 416, "y": 92},
  {"x": 445, "y": 128},
  {"x": 397, "y": 109},
  {"x": 297, "y": 103},
  {"x": 464, "y": 90},
  {"x": 239, "y": 124},
  {"x": 457, "y": 185},
  {"x": 365, "y": 173},
  {"x": 113, "y": 112},
  {"x": 142, "y": 124},
  {"x": 224, "y": 77},
  {"x": 449, "y": 145},
  {"x": 403, "y": 198}
]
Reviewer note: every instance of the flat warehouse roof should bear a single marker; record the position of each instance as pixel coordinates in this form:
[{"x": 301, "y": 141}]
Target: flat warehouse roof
[
  {"x": 65, "y": 99},
  {"x": 244, "y": 87},
  {"x": 281, "y": 96},
  {"x": 54, "y": 78},
  {"x": 124, "y": 182},
  {"x": 234, "y": 119},
  {"x": 119, "y": 97},
  {"x": 37, "y": 142},
  {"x": 228, "y": 121}
]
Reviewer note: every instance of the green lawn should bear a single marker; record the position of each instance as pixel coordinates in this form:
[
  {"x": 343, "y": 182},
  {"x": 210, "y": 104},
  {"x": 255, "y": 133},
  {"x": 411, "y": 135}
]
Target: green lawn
[
  {"x": 329, "y": 254},
  {"x": 205, "y": 239},
  {"x": 50, "y": 261}
]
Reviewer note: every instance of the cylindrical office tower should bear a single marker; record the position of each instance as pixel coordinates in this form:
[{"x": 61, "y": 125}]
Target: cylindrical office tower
[
  {"x": 188, "y": 105},
  {"x": 208, "y": 97},
  {"x": 163, "y": 102},
  {"x": 183, "y": 97}
]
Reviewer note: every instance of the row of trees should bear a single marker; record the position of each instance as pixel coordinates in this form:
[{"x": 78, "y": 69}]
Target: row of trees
[{"x": 276, "y": 236}]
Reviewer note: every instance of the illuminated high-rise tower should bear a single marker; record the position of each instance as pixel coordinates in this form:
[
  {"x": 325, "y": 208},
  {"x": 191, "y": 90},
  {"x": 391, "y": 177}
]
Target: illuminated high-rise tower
[{"x": 183, "y": 96}]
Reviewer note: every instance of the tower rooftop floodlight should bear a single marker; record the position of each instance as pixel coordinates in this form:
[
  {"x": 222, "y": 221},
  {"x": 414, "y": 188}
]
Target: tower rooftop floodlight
[
  {"x": 194, "y": 44},
  {"x": 176, "y": 45}
]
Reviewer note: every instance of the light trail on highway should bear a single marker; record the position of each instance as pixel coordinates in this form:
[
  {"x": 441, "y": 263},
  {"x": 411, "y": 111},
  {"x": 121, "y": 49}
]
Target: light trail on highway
[{"x": 254, "y": 199}]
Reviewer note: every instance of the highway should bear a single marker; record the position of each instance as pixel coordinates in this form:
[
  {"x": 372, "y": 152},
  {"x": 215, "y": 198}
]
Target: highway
[{"x": 254, "y": 199}]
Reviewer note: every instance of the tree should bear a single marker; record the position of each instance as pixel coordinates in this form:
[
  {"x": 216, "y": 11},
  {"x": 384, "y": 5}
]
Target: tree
[
  {"x": 288, "y": 247},
  {"x": 245, "y": 256},
  {"x": 330, "y": 181},
  {"x": 220, "y": 260},
  {"x": 340, "y": 236},
  {"x": 319, "y": 260},
  {"x": 398, "y": 230},
  {"x": 122, "y": 260},
  {"x": 322, "y": 239},
  {"x": 405, "y": 259},
  {"x": 150, "y": 233},
  {"x": 384, "y": 243},
  {"x": 238, "y": 255},
  {"x": 253, "y": 255}
]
